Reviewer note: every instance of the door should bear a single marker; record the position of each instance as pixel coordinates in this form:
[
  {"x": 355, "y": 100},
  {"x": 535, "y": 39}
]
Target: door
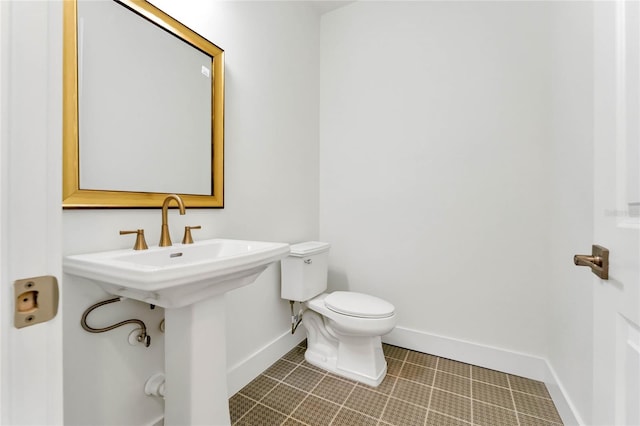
[
  {"x": 616, "y": 212},
  {"x": 30, "y": 205}
]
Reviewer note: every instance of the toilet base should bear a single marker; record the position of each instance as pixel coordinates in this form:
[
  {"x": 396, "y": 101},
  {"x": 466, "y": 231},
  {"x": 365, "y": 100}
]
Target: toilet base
[
  {"x": 358, "y": 358},
  {"x": 330, "y": 365}
]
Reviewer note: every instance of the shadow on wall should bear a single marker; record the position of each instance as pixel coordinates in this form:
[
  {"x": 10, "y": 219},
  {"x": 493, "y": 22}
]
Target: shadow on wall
[{"x": 337, "y": 280}]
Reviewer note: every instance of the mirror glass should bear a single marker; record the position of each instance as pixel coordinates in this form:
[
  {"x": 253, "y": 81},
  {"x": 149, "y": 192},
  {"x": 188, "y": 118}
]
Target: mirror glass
[{"x": 143, "y": 108}]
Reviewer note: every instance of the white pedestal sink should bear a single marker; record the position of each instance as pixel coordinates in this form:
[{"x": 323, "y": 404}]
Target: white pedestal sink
[{"x": 189, "y": 281}]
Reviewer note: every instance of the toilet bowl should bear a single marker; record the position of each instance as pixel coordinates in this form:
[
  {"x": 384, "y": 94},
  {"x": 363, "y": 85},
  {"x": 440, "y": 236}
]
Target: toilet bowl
[
  {"x": 344, "y": 328},
  {"x": 347, "y": 345}
]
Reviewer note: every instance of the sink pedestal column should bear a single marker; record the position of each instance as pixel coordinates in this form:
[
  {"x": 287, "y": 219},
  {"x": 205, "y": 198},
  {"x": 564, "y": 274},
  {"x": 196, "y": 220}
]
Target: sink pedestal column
[{"x": 196, "y": 364}]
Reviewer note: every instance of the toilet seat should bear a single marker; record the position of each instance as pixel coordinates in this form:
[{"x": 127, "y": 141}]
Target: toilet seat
[{"x": 358, "y": 305}]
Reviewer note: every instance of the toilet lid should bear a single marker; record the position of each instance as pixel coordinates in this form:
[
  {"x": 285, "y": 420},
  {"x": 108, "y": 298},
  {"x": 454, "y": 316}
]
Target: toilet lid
[
  {"x": 308, "y": 248},
  {"x": 358, "y": 305}
]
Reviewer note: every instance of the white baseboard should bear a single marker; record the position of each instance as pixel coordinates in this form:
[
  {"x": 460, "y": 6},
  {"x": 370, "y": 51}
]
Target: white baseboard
[
  {"x": 515, "y": 363},
  {"x": 244, "y": 371},
  {"x": 567, "y": 410},
  {"x": 511, "y": 362},
  {"x": 158, "y": 422}
]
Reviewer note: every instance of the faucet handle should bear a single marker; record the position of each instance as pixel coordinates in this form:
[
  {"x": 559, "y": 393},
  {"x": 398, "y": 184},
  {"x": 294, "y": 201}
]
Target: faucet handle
[
  {"x": 187, "y": 234},
  {"x": 140, "y": 244}
]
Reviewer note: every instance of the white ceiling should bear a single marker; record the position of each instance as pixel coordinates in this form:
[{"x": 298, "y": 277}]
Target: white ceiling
[{"x": 324, "y": 6}]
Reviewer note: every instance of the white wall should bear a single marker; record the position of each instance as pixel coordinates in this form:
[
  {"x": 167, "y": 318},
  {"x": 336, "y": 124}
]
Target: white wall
[
  {"x": 571, "y": 304},
  {"x": 456, "y": 175},
  {"x": 434, "y": 164},
  {"x": 271, "y": 194}
]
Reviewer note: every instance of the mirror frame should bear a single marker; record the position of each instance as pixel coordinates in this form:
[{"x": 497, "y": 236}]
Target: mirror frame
[{"x": 72, "y": 195}]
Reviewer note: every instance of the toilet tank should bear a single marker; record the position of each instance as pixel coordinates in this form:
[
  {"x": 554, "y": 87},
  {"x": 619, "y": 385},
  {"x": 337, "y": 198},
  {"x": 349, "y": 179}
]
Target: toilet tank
[{"x": 304, "y": 271}]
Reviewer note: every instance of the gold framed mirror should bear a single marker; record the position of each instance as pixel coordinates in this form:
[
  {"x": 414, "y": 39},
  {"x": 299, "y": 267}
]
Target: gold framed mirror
[{"x": 112, "y": 157}]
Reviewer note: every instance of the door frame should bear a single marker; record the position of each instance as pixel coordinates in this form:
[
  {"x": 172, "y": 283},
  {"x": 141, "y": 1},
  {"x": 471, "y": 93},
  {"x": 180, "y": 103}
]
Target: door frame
[
  {"x": 30, "y": 214},
  {"x": 616, "y": 313}
]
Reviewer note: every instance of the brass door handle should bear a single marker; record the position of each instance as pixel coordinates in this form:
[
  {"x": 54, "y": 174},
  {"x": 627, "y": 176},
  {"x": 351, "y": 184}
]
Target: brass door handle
[
  {"x": 598, "y": 261},
  {"x": 585, "y": 260}
]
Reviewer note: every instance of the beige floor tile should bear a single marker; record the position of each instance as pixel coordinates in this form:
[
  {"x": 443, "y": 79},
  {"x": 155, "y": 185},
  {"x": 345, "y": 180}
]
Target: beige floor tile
[
  {"x": 451, "y": 404},
  {"x": 394, "y": 352},
  {"x": 486, "y": 375},
  {"x": 348, "y": 417},
  {"x": 535, "y": 406},
  {"x": 284, "y": 398},
  {"x": 334, "y": 389},
  {"x": 491, "y": 415},
  {"x": 529, "y": 386},
  {"x": 385, "y": 387},
  {"x": 239, "y": 405},
  {"x": 402, "y": 413},
  {"x": 367, "y": 402},
  {"x": 304, "y": 378},
  {"x": 437, "y": 419},
  {"x": 493, "y": 395},
  {"x": 259, "y": 387},
  {"x": 312, "y": 367},
  {"x": 454, "y": 367},
  {"x": 315, "y": 411},
  {"x": 394, "y": 366},
  {"x": 261, "y": 416},
  {"x": 280, "y": 369},
  {"x": 453, "y": 383},
  {"x": 295, "y": 355},
  {"x": 424, "y": 360},
  {"x": 533, "y": 421},
  {"x": 292, "y": 422},
  {"x": 417, "y": 373},
  {"x": 413, "y": 392}
]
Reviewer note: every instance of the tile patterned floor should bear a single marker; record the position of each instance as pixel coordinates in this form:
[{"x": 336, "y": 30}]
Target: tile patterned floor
[{"x": 419, "y": 389}]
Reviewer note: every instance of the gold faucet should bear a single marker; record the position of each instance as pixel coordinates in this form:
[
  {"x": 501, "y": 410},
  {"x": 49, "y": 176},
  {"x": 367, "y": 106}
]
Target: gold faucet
[
  {"x": 140, "y": 244},
  {"x": 165, "y": 238}
]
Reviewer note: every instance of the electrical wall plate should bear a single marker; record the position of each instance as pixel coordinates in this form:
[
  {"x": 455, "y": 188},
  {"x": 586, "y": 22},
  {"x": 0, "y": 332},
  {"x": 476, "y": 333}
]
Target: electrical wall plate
[{"x": 36, "y": 300}]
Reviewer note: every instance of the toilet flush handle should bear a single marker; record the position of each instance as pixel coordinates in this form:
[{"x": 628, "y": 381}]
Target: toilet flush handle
[{"x": 308, "y": 261}]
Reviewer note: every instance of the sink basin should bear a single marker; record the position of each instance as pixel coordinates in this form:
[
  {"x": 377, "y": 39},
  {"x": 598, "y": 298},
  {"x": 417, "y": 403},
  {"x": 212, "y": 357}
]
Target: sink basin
[
  {"x": 179, "y": 275},
  {"x": 190, "y": 281}
]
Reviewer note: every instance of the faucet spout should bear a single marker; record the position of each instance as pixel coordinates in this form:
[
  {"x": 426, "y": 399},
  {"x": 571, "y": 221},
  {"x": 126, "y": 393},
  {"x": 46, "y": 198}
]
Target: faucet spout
[{"x": 165, "y": 238}]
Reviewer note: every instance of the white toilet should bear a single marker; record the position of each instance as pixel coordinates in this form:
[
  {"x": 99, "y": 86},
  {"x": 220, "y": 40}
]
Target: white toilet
[{"x": 343, "y": 328}]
